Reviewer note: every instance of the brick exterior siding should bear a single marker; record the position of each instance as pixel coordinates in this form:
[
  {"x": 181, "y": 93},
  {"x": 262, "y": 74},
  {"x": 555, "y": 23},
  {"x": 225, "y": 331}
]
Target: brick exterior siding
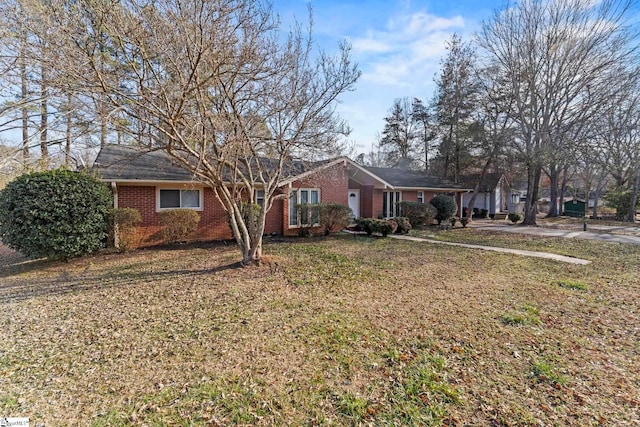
[
  {"x": 332, "y": 184},
  {"x": 212, "y": 225}
]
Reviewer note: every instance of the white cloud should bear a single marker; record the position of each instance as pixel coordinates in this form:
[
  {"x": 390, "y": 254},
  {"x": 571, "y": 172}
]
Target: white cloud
[
  {"x": 370, "y": 45},
  {"x": 409, "y": 45},
  {"x": 398, "y": 58}
]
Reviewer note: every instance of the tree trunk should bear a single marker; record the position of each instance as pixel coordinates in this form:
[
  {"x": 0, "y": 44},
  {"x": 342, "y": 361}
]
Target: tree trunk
[
  {"x": 25, "y": 93},
  {"x": 553, "y": 192},
  {"x": 533, "y": 185},
  {"x": 44, "y": 114},
  {"x": 103, "y": 122},
  {"x": 426, "y": 151},
  {"x": 563, "y": 188},
  {"x": 476, "y": 188},
  {"x": 599, "y": 187},
  {"x": 634, "y": 198},
  {"x": 67, "y": 146}
]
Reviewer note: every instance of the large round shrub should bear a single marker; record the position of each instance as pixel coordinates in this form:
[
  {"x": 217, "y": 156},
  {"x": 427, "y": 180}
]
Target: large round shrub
[
  {"x": 55, "y": 214},
  {"x": 417, "y": 213},
  {"x": 445, "y": 206}
]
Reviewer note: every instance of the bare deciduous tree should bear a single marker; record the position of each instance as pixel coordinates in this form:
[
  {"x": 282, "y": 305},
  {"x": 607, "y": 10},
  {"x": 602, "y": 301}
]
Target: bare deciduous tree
[
  {"x": 558, "y": 57},
  {"x": 217, "y": 86}
]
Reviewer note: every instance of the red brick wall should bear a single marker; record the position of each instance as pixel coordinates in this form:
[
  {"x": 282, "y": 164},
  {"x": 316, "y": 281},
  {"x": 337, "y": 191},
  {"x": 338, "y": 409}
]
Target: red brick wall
[
  {"x": 273, "y": 221},
  {"x": 333, "y": 184},
  {"x": 212, "y": 226}
]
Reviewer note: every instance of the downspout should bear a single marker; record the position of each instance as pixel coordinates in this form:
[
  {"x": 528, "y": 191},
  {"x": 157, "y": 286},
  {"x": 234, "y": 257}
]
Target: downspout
[{"x": 116, "y": 234}]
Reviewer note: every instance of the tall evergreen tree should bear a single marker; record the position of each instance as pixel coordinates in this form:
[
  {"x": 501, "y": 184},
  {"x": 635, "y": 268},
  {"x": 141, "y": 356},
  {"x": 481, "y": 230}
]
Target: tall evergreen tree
[
  {"x": 454, "y": 104},
  {"x": 399, "y": 135},
  {"x": 425, "y": 129}
]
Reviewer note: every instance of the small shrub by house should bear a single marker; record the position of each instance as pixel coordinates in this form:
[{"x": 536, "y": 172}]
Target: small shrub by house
[
  {"x": 374, "y": 225},
  {"x": 403, "y": 225},
  {"x": 514, "y": 217},
  {"x": 124, "y": 222},
  {"x": 333, "y": 216},
  {"x": 179, "y": 224}
]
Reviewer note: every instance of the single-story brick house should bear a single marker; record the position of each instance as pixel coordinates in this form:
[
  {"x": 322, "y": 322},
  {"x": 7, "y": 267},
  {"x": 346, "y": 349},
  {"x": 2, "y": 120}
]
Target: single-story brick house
[{"x": 151, "y": 182}]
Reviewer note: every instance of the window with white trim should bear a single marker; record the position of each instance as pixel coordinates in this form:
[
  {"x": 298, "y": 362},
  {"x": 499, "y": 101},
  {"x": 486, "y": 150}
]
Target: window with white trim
[
  {"x": 420, "y": 196},
  {"x": 170, "y": 198},
  {"x": 390, "y": 203},
  {"x": 300, "y": 197},
  {"x": 260, "y": 197}
]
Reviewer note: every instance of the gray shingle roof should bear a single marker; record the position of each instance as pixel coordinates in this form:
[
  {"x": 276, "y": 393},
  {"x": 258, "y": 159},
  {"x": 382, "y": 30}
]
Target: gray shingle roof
[
  {"x": 122, "y": 163},
  {"x": 119, "y": 162},
  {"x": 489, "y": 182},
  {"x": 404, "y": 178}
]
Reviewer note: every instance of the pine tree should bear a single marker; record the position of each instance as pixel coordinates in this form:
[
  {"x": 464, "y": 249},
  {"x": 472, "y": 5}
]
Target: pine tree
[{"x": 454, "y": 104}]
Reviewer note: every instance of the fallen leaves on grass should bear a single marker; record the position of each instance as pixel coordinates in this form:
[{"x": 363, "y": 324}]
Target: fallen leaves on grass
[{"x": 345, "y": 332}]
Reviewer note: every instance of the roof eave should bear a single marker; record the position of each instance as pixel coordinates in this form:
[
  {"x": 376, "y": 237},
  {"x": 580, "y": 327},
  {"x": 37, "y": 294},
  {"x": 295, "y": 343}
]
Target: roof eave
[
  {"x": 449, "y": 189},
  {"x": 370, "y": 174}
]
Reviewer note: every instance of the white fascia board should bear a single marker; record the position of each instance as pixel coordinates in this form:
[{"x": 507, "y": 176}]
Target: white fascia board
[
  {"x": 449, "y": 190},
  {"x": 371, "y": 174},
  {"x": 303, "y": 175}
]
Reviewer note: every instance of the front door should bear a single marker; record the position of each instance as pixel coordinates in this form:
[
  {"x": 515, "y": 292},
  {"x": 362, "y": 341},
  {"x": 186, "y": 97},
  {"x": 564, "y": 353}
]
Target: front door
[{"x": 354, "y": 202}]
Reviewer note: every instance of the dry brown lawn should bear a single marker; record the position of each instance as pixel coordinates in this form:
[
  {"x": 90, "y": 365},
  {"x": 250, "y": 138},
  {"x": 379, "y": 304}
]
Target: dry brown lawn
[{"x": 338, "y": 331}]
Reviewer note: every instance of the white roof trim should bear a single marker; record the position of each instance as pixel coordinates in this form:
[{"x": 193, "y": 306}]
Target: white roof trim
[
  {"x": 447, "y": 189},
  {"x": 371, "y": 174},
  {"x": 303, "y": 175}
]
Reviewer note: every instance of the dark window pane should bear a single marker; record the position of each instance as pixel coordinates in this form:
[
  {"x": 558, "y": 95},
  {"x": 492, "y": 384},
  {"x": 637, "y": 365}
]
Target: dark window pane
[{"x": 169, "y": 199}]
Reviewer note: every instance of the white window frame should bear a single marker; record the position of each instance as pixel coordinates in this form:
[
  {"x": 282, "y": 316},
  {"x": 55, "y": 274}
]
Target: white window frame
[
  {"x": 420, "y": 197},
  {"x": 200, "y": 198},
  {"x": 298, "y": 191},
  {"x": 393, "y": 206},
  {"x": 259, "y": 197}
]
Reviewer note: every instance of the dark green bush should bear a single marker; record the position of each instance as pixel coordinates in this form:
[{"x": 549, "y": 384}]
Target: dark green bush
[
  {"x": 403, "y": 224},
  {"x": 178, "y": 224},
  {"x": 374, "y": 225},
  {"x": 445, "y": 206},
  {"x": 514, "y": 217},
  {"x": 365, "y": 224},
  {"x": 123, "y": 227},
  {"x": 55, "y": 214},
  {"x": 418, "y": 214},
  {"x": 620, "y": 199},
  {"x": 464, "y": 221},
  {"x": 334, "y": 216}
]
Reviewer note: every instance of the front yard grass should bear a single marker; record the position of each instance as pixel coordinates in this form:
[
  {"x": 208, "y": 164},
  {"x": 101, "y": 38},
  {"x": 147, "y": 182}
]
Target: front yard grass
[{"x": 339, "y": 331}]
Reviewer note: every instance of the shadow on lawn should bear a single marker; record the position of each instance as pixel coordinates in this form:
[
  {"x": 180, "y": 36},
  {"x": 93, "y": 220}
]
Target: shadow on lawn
[{"x": 21, "y": 288}]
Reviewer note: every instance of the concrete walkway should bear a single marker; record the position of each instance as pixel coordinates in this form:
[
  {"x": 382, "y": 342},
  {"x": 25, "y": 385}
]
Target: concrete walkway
[
  {"x": 535, "y": 254},
  {"x": 568, "y": 232}
]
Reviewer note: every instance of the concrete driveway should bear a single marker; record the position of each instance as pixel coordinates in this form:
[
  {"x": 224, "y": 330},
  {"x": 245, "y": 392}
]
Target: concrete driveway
[{"x": 604, "y": 233}]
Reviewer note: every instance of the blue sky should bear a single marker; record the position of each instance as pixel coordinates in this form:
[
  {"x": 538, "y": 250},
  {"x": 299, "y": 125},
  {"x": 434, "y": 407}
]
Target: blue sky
[{"x": 397, "y": 44}]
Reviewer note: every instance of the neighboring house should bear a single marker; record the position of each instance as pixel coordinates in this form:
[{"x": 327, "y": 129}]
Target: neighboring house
[
  {"x": 151, "y": 182},
  {"x": 380, "y": 189},
  {"x": 494, "y": 195}
]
